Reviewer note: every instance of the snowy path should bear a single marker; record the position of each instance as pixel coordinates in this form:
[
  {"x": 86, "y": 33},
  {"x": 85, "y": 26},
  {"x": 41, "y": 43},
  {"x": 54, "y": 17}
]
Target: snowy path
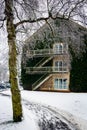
[{"x": 47, "y": 118}]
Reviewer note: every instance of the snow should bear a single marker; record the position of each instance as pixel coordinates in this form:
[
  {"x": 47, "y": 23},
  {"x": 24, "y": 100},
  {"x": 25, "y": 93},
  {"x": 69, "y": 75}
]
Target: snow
[
  {"x": 74, "y": 103},
  {"x": 72, "y": 106},
  {"x": 6, "y": 117}
]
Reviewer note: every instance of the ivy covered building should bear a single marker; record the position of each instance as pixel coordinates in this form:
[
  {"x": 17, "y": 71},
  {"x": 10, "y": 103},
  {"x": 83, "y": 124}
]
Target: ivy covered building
[{"x": 55, "y": 58}]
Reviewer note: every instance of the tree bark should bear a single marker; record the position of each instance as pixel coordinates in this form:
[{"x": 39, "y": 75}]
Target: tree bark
[{"x": 16, "y": 97}]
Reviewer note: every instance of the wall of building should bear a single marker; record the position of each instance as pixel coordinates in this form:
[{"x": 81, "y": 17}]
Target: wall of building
[{"x": 49, "y": 84}]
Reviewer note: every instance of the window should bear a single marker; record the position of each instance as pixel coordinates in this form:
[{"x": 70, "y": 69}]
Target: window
[
  {"x": 56, "y": 84},
  {"x": 60, "y": 84},
  {"x": 64, "y": 83},
  {"x": 58, "y": 48},
  {"x": 58, "y": 65}
]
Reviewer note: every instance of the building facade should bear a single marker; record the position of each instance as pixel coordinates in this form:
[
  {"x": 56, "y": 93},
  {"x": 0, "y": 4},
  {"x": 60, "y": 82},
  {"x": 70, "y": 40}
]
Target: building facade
[
  {"x": 56, "y": 62},
  {"x": 51, "y": 68}
]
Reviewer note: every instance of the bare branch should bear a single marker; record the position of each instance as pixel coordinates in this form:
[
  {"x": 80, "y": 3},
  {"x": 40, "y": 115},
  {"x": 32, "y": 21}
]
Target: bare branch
[
  {"x": 17, "y": 13},
  {"x": 50, "y": 28},
  {"x": 31, "y": 21},
  {"x": 75, "y": 6}
]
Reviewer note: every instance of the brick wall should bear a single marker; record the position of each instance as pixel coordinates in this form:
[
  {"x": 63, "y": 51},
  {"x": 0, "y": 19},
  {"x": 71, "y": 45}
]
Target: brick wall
[{"x": 49, "y": 84}]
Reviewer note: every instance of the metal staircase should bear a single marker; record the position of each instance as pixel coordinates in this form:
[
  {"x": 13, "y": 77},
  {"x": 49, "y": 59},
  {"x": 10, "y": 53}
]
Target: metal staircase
[
  {"x": 40, "y": 81},
  {"x": 38, "y": 68},
  {"x": 43, "y": 69},
  {"x": 43, "y": 61}
]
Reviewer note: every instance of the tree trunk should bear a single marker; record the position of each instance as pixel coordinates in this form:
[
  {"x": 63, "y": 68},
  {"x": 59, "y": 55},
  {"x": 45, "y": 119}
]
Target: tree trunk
[{"x": 16, "y": 98}]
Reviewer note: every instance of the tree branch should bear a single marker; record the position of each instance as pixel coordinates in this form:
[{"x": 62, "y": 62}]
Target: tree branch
[
  {"x": 39, "y": 19},
  {"x": 50, "y": 27},
  {"x": 78, "y": 3},
  {"x": 67, "y": 11},
  {"x": 31, "y": 21}
]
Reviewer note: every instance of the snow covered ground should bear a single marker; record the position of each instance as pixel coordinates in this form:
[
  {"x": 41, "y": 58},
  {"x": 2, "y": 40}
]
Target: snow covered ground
[{"x": 46, "y": 109}]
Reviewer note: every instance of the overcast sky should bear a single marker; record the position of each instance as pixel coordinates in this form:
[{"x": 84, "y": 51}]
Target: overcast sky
[{"x": 3, "y": 44}]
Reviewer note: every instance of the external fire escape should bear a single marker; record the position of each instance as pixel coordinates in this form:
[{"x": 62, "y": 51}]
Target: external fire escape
[{"x": 46, "y": 55}]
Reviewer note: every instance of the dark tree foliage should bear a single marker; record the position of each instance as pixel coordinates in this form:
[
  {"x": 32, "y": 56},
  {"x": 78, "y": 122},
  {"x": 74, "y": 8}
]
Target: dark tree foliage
[{"x": 78, "y": 76}]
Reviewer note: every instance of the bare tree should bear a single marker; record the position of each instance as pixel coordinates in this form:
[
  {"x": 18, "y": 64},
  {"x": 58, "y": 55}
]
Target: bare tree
[{"x": 17, "y": 14}]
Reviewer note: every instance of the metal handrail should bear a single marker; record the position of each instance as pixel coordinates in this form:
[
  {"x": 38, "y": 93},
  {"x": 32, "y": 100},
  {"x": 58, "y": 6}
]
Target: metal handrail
[
  {"x": 46, "y": 69},
  {"x": 41, "y": 61},
  {"x": 45, "y": 52}
]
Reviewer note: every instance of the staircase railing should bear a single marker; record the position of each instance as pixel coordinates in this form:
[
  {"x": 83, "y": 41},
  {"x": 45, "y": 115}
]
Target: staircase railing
[
  {"x": 43, "y": 61},
  {"x": 41, "y": 52},
  {"x": 45, "y": 69},
  {"x": 42, "y": 79}
]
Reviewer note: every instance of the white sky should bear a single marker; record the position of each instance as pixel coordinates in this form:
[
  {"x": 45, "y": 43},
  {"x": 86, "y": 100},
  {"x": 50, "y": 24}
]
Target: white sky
[{"x": 3, "y": 45}]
